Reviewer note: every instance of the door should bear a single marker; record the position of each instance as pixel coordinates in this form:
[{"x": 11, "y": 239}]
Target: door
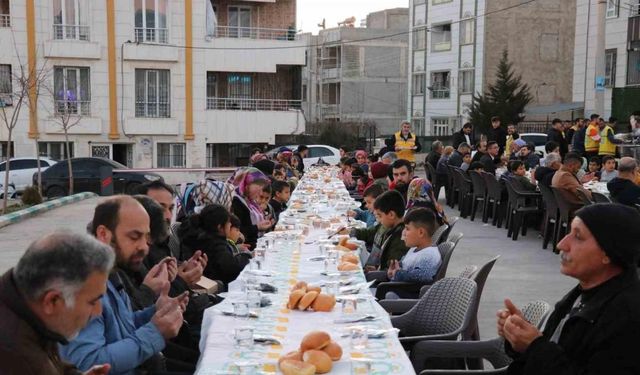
[
  {"x": 239, "y": 22},
  {"x": 102, "y": 150}
]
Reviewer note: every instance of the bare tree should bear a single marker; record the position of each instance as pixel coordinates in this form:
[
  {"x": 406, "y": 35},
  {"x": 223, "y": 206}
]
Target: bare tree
[{"x": 68, "y": 113}]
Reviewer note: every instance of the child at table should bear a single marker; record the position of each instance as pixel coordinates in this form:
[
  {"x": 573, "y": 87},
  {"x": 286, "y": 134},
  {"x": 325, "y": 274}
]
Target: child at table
[
  {"x": 518, "y": 174},
  {"x": 281, "y": 194},
  {"x": 366, "y": 215},
  {"x": 422, "y": 261},
  {"x": 593, "y": 171},
  {"x": 609, "y": 171}
]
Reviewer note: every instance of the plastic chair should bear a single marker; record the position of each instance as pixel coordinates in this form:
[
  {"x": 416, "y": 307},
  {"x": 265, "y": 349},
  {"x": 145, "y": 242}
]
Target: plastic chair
[
  {"x": 479, "y": 195},
  {"x": 445, "y": 249},
  {"x": 566, "y": 213},
  {"x": 551, "y": 217},
  {"x": 492, "y": 350},
  {"x": 443, "y": 313},
  {"x": 600, "y": 198},
  {"x": 451, "y": 222},
  {"x": 430, "y": 172},
  {"x": 455, "y": 238},
  {"x": 454, "y": 189},
  {"x": 438, "y": 235},
  {"x": 480, "y": 278},
  {"x": 583, "y": 197},
  {"x": 494, "y": 198},
  {"x": 520, "y": 206},
  {"x": 464, "y": 186}
]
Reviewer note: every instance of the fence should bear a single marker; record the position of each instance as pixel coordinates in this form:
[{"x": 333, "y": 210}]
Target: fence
[{"x": 254, "y": 33}]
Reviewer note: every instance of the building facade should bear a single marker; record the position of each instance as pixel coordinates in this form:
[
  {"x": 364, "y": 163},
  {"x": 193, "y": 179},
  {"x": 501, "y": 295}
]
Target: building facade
[
  {"x": 606, "y": 73},
  {"x": 155, "y": 83},
  {"x": 456, "y": 46},
  {"x": 359, "y": 74}
]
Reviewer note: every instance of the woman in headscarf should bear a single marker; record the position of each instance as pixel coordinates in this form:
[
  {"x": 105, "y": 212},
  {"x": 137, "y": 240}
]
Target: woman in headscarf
[
  {"x": 420, "y": 194},
  {"x": 249, "y": 183},
  {"x": 361, "y": 158},
  {"x": 207, "y": 192}
]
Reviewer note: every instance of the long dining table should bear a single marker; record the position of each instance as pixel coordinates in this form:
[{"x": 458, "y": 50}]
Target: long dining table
[{"x": 317, "y": 207}]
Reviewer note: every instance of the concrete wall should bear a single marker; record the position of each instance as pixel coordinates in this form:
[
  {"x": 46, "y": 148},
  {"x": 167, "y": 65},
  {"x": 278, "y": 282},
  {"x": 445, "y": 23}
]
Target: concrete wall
[{"x": 389, "y": 19}]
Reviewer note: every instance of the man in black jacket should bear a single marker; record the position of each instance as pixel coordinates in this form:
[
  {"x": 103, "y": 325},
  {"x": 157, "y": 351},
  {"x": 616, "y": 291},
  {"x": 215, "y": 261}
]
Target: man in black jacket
[
  {"x": 490, "y": 159},
  {"x": 465, "y": 135},
  {"x": 456, "y": 157},
  {"x": 623, "y": 188},
  {"x": 497, "y": 134},
  {"x": 594, "y": 329},
  {"x": 300, "y": 154},
  {"x": 434, "y": 155},
  {"x": 556, "y": 134},
  {"x": 544, "y": 174}
]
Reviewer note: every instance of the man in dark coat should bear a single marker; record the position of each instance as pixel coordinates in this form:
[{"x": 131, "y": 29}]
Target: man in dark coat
[
  {"x": 490, "y": 159},
  {"x": 594, "y": 329},
  {"x": 497, "y": 134},
  {"x": 434, "y": 155},
  {"x": 556, "y": 134},
  {"x": 456, "y": 157},
  {"x": 465, "y": 135},
  {"x": 47, "y": 299},
  {"x": 300, "y": 154}
]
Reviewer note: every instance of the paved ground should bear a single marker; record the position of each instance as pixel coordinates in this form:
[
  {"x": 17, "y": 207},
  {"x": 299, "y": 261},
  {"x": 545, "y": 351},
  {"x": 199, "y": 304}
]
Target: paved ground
[{"x": 524, "y": 271}]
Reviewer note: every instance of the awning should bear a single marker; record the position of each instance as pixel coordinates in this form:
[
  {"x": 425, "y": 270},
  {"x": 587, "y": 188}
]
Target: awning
[{"x": 554, "y": 108}]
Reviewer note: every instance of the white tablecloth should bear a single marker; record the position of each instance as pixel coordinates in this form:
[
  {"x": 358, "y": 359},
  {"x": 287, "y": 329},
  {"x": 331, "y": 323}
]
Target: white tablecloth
[{"x": 290, "y": 265}]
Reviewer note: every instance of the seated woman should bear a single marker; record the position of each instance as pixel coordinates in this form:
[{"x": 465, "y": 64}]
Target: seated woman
[
  {"x": 249, "y": 183},
  {"x": 420, "y": 194},
  {"x": 361, "y": 158},
  {"x": 207, "y": 231}
]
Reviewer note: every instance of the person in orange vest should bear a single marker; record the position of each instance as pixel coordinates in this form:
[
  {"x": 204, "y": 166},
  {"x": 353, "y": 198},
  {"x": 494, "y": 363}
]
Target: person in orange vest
[
  {"x": 592, "y": 138},
  {"x": 405, "y": 143},
  {"x": 608, "y": 141}
]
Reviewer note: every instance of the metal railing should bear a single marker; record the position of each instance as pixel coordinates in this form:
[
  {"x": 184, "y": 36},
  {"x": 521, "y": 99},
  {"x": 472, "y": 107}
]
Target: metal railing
[
  {"x": 440, "y": 93},
  {"x": 254, "y": 33},
  {"x": 73, "y": 107},
  {"x": 153, "y": 109},
  {"x": 634, "y": 10},
  {"x": 242, "y": 104},
  {"x": 152, "y": 35},
  {"x": 77, "y": 32},
  {"x": 5, "y": 20}
]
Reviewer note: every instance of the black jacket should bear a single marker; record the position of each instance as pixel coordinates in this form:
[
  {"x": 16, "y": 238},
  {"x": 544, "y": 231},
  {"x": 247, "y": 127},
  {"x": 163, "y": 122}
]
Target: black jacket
[
  {"x": 458, "y": 137},
  {"x": 277, "y": 208},
  {"x": 498, "y": 135},
  {"x": 544, "y": 175},
  {"x": 624, "y": 191},
  {"x": 432, "y": 158},
  {"x": 489, "y": 163},
  {"x": 250, "y": 231},
  {"x": 599, "y": 338},
  {"x": 455, "y": 159},
  {"x": 223, "y": 265},
  {"x": 557, "y": 136}
]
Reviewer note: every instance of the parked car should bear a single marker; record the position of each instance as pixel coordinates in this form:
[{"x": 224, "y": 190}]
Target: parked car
[
  {"x": 329, "y": 154},
  {"x": 538, "y": 139},
  {"x": 86, "y": 177},
  {"x": 11, "y": 192},
  {"x": 21, "y": 171}
]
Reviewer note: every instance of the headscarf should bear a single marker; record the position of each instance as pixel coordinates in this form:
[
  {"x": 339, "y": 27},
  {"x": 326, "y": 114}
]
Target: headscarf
[
  {"x": 361, "y": 153},
  {"x": 257, "y": 157},
  {"x": 241, "y": 179},
  {"x": 265, "y": 166},
  {"x": 419, "y": 191},
  {"x": 208, "y": 192}
]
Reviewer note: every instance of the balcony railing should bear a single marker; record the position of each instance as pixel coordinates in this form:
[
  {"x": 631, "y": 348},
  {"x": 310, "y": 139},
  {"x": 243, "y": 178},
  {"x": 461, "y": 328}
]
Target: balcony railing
[
  {"x": 151, "y": 35},
  {"x": 634, "y": 10},
  {"x": 330, "y": 110},
  {"x": 77, "y": 32},
  {"x": 440, "y": 93},
  {"x": 153, "y": 109},
  {"x": 241, "y": 104},
  {"x": 254, "y": 33},
  {"x": 5, "y": 20},
  {"x": 73, "y": 107}
]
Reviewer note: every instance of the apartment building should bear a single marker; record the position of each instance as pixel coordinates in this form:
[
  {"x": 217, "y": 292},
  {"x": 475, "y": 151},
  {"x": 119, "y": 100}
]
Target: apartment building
[
  {"x": 606, "y": 74},
  {"x": 154, "y": 83},
  {"x": 359, "y": 74},
  {"x": 456, "y": 45}
]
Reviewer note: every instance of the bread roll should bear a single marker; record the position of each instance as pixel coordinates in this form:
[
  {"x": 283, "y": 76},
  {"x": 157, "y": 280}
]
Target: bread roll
[
  {"x": 343, "y": 241},
  {"x": 294, "y": 355},
  {"x": 346, "y": 266},
  {"x": 350, "y": 246},
  {"x": 342, "y": 248},
  {"x": 294, "y": 298},
  {"x": 324, "y": 302},
  {"x": 319, "y": 359},
  {"x": 350, "y": 258},
  {"x": 293, "y": 367},
  {"x": 314, "y": 289},
  {"x": 314, "y": 340},
  {"x": 300, "y": 285},
  {"x": 307, "y": 300},
  {"x": 333, "y": 350}
]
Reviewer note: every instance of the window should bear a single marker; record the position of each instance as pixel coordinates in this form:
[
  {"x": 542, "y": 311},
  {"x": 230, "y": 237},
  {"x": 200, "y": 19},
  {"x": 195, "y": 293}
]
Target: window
[
  {"x": 612, "y": 8},
  {"x": 418, "y": 125},
  {"x": 419, "y": 39},
  {"x": 418, "y": 61},
  {"x": 172, "y": 155},
  {"x": 6, "y": 89},
  {"x": 610, "y": 57},
  {"x": 240, "y": 86},
  {"x": 440, "y": 88},
  {"x": 466, "y": 81},
  {"x": 319, "y": 152},
  {"x": 70, "y": 19},
  {"x": 419, "y": 14},
  {"x": 212, "y": 85},
  {"x": 418, "y": 84},
  {"x": 72, "y": 90},
  {"x": 467, "y": 32},
  {"x": 54, "y": 150},
  {"x": 152, "y": 93},
  {"x": 3, "y": 150},
  {"x": 439, "y": 127},
  {"x": 5, "y": 14},
  {"x": 151, "y": 21},
  {"x": 228, "y": 154},
  {"x": 441, "y": 38},
  {"x": 24, "y": 164},
  {"x": 633, "y": 68},
  {"x": 239, "y": 22}
]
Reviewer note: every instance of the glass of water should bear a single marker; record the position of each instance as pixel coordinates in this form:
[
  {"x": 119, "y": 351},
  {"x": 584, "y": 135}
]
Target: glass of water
[
  {"x": 243, "y": 337},
  {"x": 349, "y": 305},
  {"x": 359, "y": 339},
  {"x": 253, "y": 298},
  {"x": 241, "y": 309},
  {"x": 360, "y": 367}
]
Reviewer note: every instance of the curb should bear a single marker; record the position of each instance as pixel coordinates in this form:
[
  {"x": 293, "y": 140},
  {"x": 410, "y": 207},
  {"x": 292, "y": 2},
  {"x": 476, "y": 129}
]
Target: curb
[{"x": 18, "y": 216}]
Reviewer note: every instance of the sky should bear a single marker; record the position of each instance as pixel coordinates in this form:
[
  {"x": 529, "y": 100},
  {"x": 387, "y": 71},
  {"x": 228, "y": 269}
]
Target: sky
[{"x": 311, "y": 12}]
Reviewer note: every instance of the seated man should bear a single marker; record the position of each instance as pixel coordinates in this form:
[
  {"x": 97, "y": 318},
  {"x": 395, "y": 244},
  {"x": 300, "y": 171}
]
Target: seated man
[
  {"x": 52, "y": 292},
  {"x": 567, "y": 181},
  {"x": 529, "y": 157},
  {"x": 128, "y": 341},
  {"x": 623, "y": 188},
  {"x": 422, "y": 261},
  {"x": 594, "y": 329},
  {"x": 544, "y": 174}
]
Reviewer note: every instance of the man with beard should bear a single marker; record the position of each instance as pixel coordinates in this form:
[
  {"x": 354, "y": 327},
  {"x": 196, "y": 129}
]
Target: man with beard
[
  {"x": 402, "y": 176},
  {"x": 128, "y": 341},
  {"x": 53, "y": 291}
]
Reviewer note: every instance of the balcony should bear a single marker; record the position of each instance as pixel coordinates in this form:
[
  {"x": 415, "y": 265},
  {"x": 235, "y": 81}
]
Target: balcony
[
  {"x": 440, "y": 93},
  {"x": 254, "y": 33},
  {"x": 241, "y": 104},
  {"x": 152, "y": 35},
  {"x": 5, "y": 20},
  {"x": 330, "y": 110},
  {"x": 73, "y": 32}
]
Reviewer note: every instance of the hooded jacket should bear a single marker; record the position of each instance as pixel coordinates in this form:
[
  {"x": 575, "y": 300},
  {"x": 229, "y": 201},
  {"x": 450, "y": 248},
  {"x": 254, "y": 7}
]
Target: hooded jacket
[{"x": 624, "y": 191}]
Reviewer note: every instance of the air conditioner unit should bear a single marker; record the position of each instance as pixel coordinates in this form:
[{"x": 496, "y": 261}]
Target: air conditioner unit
[{"x": 6, "y": 100}]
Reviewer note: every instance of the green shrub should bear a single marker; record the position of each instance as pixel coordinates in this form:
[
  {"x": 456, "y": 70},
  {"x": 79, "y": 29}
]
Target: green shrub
[{"x": 31, "y": 196}]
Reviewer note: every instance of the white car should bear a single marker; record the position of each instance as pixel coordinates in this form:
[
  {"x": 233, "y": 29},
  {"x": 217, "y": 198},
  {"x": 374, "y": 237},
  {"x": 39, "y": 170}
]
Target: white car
[
  {"x": 21, "y": 171},
  {"x": 329, "y": 154},
  {"x": 538, "y": 139}
]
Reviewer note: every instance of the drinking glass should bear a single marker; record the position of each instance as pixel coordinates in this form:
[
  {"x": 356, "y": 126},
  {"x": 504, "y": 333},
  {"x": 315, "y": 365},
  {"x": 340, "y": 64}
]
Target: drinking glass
[
  {"x": 359, "y": 338},
  {"x": 254, "y": 297},
  {"x": 243, "y": 337},
  {"x": 241, "y": 309}
]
